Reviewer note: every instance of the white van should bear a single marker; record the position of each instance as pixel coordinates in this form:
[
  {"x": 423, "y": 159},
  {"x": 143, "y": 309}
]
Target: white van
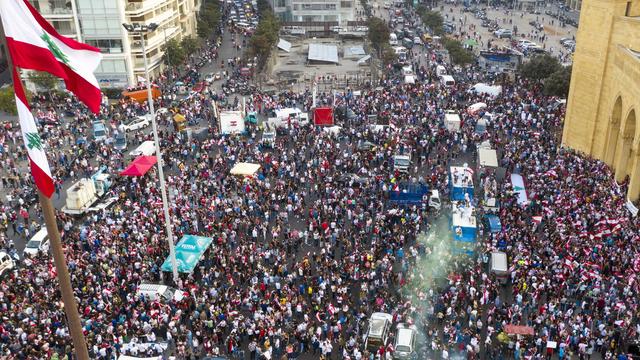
[
  {"x": 393, "y": 39},
  {"x": 407, "y": 70},
  {"x": 378, "y": 332},
  {"x": 440, "y": 70},
  {"x": 153, "y": 292},
  {"x": 147, "y": 148},
  {"x": 38, "y": 242},
  {"x": 499, "y": 266},
  {"x": 447, "y": 80},
  {"x": 405, "y": 345}
]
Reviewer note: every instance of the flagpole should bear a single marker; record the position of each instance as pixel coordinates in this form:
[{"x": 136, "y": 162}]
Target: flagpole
[{"x": 62, "y": 271}]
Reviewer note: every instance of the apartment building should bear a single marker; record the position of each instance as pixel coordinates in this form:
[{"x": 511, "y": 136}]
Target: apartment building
[
  {"x": 99, "y": 23},
  {"x": 315, "y": 10}
]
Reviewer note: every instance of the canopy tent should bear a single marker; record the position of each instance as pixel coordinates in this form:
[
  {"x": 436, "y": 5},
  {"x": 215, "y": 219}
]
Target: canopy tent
[
  {"x": 409, "y": 79},
  {"x": 323, "y": 116},
  {"x": 470, "y": 42},
  {"x": 245, "y": 169},
  {"x": 189, "y": 251},
  {"x": 139, "y": 166}
]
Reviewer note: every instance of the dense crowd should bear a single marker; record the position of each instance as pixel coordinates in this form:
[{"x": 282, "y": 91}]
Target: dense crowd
[{"x": 304, "y": 252}]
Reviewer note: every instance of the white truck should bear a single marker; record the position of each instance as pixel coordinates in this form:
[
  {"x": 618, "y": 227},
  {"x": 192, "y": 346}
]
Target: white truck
[
  {"x": 452, "y": 120},
  {"x": 83, "y": 194}
]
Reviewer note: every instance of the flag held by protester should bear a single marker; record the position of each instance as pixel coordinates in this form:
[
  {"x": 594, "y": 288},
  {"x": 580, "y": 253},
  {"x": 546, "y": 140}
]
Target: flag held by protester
[{"x": 34, "y": 44}]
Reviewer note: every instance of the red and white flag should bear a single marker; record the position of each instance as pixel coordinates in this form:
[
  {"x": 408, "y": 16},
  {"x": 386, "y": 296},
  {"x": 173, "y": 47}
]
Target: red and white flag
[{"x": 34, "y": 44}]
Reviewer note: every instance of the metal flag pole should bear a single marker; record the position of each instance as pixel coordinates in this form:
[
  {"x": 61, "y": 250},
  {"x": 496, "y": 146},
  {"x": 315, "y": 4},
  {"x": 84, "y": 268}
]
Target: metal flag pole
[
  {"x": 163, "y": 190},
  {"x": 48, "y": 211}
]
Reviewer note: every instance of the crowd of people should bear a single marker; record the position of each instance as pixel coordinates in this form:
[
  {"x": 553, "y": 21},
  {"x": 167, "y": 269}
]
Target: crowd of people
[{"x": 308, "y": 248}]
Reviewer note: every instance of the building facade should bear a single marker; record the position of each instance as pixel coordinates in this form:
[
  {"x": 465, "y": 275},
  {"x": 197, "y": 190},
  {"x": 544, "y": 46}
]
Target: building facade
[
  {"x": 315, "y": 10},
  {"x": 604, "y": 96},
  {"x": 99, "y": 23}
]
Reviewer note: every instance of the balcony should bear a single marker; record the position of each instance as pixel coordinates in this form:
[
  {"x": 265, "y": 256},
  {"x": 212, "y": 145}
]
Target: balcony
[
  {"x": 141, "y": 7},
  {"x": 53, "y": 8}
]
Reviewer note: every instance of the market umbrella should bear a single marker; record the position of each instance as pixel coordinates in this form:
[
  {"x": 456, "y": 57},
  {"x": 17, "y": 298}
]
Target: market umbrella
[{"x": 471, "y": 42}]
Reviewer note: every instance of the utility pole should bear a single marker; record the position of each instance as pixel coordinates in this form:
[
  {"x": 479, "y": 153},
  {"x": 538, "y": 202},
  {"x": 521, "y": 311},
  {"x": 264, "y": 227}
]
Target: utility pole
[{"x": 141, "y": 29}]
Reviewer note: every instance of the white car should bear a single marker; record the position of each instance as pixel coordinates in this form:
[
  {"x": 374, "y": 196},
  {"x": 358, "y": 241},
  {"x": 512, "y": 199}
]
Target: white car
[
  {"x": 37, "y": 244},
  {"x": 6, "y": 263},
  {"x": 136, "y": 123}
]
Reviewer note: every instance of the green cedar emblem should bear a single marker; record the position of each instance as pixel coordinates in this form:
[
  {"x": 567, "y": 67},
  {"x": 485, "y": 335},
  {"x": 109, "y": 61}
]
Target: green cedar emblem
[
  {"x": 53, "y": 47},
  {"x": 33, "y": 141}
]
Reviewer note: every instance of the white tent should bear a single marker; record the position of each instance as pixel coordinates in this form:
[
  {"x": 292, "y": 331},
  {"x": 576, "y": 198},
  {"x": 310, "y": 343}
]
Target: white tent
[
  {"x": 409, "y": 79},
  {"x": 245, "y": 169}
]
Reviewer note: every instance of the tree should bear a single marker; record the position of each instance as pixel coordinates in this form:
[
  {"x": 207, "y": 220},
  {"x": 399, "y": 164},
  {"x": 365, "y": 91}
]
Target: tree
[
  {"x": 457, "y": 53},
  {"x": 378, "y": 33},
  {"x": 43, "y": 80},
  {"x": 388, "y": 55},
  {"x": 539, "y": 67},
  {"x": 266, "y": 35},
  {"x": 190, "y": 44},
  {"x": 209, "y": 18},
  {"x": 173, "y": 52},
  {"x": 432, "y": 19},
  {"x": 557, "y": 84},
  {"x": 8, "y": 101}
]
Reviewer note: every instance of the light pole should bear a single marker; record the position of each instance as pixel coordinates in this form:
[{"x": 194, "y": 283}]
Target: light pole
[{"x": 141, "y": 29}]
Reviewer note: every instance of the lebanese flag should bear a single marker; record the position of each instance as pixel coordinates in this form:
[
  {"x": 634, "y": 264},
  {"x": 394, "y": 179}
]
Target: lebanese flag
[
  {"x": 35, "y": 45},
  {"x": 35, "y": 146}
]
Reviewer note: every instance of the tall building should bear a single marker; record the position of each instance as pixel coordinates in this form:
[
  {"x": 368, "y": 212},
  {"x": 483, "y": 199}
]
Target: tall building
[
  {"x": 604, "y": 96},
  {"x": 99, "y": 23},
  {"x": 315, "y": 10}
]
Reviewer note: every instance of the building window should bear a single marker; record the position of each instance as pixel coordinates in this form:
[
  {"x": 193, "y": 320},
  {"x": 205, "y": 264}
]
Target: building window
[
  {"x": 346, "y": 4},
  {"x": 107, "y": 46},
  {"x": 295, "y": 7},
  {"x": 281, "y": 3},
  {"x": 330, "y": 6}
]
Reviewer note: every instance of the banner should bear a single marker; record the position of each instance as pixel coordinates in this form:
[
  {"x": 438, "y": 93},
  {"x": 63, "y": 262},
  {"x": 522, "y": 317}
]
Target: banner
[
  {"x": 189, "y": 251},
  {"x": 518, "y": 187}
]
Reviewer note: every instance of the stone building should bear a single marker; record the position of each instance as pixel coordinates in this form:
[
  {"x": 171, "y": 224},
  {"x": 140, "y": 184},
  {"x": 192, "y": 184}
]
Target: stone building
[{"x": 604, "y": 98}]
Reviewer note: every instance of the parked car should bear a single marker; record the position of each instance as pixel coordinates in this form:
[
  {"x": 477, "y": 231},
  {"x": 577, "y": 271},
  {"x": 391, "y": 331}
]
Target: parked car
[
  {"x": 120, "y": 142},
  {"x": 503, "y": 33},
  {"x": 136, "y": 123}
]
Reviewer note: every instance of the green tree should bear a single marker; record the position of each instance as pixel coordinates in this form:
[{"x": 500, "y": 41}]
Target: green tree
[
  {"x": 209, "y": 18},
  {"x": 457, "y": 53},
  {"x": 8, "y": 101},
  {"x": 557, "y": 84},
  {"x": 173, "y": 52},
  {"x": 388, "y": 55},
  {"x": 43, "y": 80},
  {"x": 539, "y": 67},
  {"x": 190, "y": 44},
  {"x": 432, "y": 19},
  {"x": 378, "y": 33},
  {"x": 266, "y": 35}
]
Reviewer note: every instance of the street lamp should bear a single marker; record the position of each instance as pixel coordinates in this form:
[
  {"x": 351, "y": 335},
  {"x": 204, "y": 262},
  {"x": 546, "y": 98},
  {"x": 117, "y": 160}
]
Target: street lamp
[{"x": 140, "y": 29}]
